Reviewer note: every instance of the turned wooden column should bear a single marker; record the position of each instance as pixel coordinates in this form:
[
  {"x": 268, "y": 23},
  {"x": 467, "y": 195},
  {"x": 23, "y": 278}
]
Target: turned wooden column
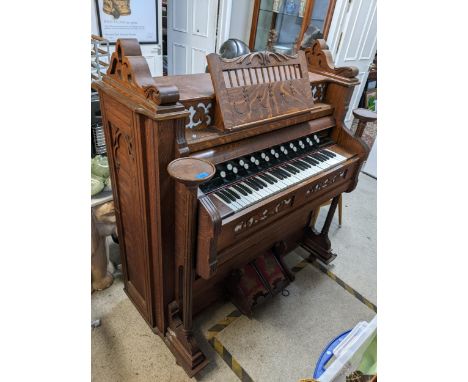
[
  {"x": 188, "y": 173},
  {"x": 318, "y": 244},
  {"x": 363, "y": 116}
]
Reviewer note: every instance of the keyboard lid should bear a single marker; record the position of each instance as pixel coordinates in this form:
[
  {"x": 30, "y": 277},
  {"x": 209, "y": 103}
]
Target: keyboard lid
[{"x": 258, "y": 88}]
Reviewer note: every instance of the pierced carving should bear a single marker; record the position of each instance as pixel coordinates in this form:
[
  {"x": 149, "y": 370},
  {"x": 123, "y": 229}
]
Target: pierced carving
[
  {"x": 199, "y": 115},
  {"x": 320, "y": 59},
  {"x": 264, "y": 58},
  {"x": 130, "y": 69},
  {"x": 318, "y": 91},
  {"x": 324, "y": 183},
  {"x": 265, "y": 214}
]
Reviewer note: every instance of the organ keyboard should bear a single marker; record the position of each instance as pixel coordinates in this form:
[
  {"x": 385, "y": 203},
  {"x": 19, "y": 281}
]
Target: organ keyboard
[
  {"x": 212, "y": 170},
  {"x": 244, "y": 182}
]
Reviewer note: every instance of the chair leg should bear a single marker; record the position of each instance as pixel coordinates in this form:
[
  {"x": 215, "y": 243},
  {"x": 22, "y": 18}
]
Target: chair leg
[{"x": 340, "y": 210}]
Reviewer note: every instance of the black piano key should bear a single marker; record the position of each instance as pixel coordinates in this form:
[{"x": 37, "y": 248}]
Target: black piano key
[
  {"x": 252, "y": 184},
  {"x": 223, "y": 197},
  {"x": 293, "y": 166},
  {"x": 274, "y": 180},
  {"x": 284, "y": 173},
  {"x": 240, "y": 189},
  {"x": 233, "y": 193},
  {"x": 246, "y": 189},
  {"x": 268, "y": 178},
  {"x": 310, "y": 160},
  {"x": 326, "y": 153},
  {"x": 228, "y": 195},
  {"x": 330, "y": 152},
  {"x": 276, "y": 173},
  {"x": 289, "y": 168},
  {"x": 316, "y": 156},
  {"x": 257, "y": 182},
  {"x": 264, "y": 184},
  {"x": 305, "y": 164},
  {"x": 264, "y": 178},
  {"x": 299, "y": 165}
]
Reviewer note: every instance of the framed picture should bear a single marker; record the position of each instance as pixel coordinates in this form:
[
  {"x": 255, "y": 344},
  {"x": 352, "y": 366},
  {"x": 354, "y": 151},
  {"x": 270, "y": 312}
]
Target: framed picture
[{"x": 128, "y": 19}]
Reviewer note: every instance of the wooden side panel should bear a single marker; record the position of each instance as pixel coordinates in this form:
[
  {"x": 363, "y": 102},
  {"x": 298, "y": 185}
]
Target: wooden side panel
[{"x": 125, "y": 172}]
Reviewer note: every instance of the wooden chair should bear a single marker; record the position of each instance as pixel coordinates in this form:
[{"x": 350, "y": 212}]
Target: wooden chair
[{"x": 363, "y": 116}]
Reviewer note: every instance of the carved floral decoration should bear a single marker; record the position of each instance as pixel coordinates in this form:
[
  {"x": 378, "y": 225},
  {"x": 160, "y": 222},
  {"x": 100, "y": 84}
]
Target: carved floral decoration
[
  {"x": 265, "y": 214},
  {"x": 328, "y": 181},
  {"x": 264, "y": 58}
]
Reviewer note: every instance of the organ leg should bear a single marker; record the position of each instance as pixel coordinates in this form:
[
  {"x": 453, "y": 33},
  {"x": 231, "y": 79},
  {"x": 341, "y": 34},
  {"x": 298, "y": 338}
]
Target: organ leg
[
  {"x": 318, "y": 244},
  {"x": 189, "y": 173}
]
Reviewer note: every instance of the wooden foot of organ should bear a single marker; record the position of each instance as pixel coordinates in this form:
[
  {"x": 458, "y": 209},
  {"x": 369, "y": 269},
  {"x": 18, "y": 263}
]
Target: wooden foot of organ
[{"x": 212, "y": 170}]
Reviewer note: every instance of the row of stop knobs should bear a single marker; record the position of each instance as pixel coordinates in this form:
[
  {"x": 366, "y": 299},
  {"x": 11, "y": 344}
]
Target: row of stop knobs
[{"x": 264, "y": 157}]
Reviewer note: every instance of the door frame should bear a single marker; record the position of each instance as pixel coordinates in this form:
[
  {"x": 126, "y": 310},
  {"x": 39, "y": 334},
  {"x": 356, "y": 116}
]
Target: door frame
[
  {"x": 223, "y": 24},
  {"x": 339, "y": 26}
]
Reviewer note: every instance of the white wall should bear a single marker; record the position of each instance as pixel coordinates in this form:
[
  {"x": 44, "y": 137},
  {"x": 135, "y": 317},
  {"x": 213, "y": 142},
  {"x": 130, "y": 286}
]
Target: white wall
[
  {"x": 94, "y": 22},
  {"x": 241, "y": 19}
]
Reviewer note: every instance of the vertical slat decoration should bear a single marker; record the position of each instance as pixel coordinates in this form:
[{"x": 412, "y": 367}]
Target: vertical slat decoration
[{"x": 227, "y": 79}]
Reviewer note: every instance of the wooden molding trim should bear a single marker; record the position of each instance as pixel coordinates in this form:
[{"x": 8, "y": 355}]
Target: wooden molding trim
[
  {"x": 253, "y": 27},
  {"x": 129, "y": 69},
  {"x": 320, "y": 60},
  {"x": 328, "y": 19}
]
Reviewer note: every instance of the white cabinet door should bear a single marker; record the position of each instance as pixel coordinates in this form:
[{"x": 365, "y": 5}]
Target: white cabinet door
[
  {"x": 354, "y": 41},
  {"x": 153, "y": 55},
  {"x": 191, "y": 34}
]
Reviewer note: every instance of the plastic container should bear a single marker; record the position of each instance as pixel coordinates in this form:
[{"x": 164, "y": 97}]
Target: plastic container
[{"x": 348, "y": 353}]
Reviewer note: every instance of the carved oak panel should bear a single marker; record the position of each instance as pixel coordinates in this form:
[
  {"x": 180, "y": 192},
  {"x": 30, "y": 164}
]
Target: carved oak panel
[{"x": 259, "y": 87}]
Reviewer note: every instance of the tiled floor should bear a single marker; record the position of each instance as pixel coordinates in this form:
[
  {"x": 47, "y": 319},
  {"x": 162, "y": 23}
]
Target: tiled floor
[{"x": 285, "y": 337}]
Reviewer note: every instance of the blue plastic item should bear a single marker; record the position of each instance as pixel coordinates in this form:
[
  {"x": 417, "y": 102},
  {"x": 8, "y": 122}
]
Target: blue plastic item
[{"x": 327, "y": 354}]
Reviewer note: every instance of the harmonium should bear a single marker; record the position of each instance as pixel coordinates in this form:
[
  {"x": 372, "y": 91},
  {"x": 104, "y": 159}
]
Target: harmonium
[{"x": 216, "y": 177}]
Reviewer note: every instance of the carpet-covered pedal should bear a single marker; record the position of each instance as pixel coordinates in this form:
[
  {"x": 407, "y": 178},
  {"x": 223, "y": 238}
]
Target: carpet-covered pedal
[{"x": 257, "y": 281}]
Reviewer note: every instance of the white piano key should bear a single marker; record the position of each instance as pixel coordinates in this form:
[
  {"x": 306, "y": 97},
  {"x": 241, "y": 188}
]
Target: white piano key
[
  {"x": 280, "y": 182},
  {"x": 271, "y": 186},
  {"x": 254, "y": 195},
  {"x": 248, "y": 198}
]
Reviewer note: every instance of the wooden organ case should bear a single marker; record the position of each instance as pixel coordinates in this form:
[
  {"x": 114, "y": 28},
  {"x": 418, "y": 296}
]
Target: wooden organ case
[{"x": 211, "y": 170}]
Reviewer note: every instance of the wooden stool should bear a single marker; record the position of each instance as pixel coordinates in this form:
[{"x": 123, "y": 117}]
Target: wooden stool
[{"x": 363, "y": 116}]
